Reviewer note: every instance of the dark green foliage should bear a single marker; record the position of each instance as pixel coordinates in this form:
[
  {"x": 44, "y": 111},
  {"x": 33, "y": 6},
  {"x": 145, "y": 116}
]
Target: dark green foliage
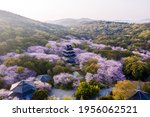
[
  {"x": 86, "y": 91},
  {"x": 2, "y": 84},
  {"x": 40, "y": 66},
  {"x": 136, "y": 69},
  {"x": 1, "y": 97},
  {"x": 64, "y": 86},
  {"x": 40, "y": 95},
  {"x": 60, "y": 69},
  {"x": 146, "y": 88},
  {"x": 113, "y": 54},
  {"x": 99, "y": 84}
]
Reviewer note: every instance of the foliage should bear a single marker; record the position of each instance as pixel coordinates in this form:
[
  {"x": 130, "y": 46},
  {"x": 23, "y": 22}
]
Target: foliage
[
  {"x": 123, "y": 90},
  {"x": 86, "y": 91},
  {"x": 40, "y": 95},
  {"x": 135, "y": 68},
  {"x": 2, "y": 84},
  {"x": 113, "y": 54},
  {"x": 63, "y": 81},
  {"x": 10, "y": 74},
  {"x": 42, "y": 86},
  {"x": 20, "y": 70},
  {"x": 60, "y": 69},
  {"x": 146, "y": 88},
  {"x": 11, "y": 61},
  {"x": 17, "y": 33},
  {"x": 109, "y": 72},
  {"x": 125, "y": 35},
  {"x": 90, "y": 66},
  {"x": 40, "y": 66}
]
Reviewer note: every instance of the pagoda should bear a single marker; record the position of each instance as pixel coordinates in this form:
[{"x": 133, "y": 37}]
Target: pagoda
[{"x": 69, "y": 54}]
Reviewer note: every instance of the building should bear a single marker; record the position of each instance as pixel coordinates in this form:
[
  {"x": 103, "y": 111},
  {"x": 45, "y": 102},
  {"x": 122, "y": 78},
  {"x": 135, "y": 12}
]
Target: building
[
  {"x": 69, "y": 54},
  {"x": 44, "y": 78},
  {"x": 140, "y": 95},
  {"x": 22, "y": 90}
]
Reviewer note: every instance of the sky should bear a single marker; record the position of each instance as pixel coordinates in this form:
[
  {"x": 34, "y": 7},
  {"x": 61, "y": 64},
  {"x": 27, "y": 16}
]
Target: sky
[{"x": 44, "y": 10}]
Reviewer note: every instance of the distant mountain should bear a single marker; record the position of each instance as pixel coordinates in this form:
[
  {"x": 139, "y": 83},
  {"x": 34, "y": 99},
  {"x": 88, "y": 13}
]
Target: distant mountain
[
  {"x": 18, "y": 32},
  {"x": 135, "y": 21},
  {"x": 14, "y": 20},
  {"x": 71, "y": 22}
]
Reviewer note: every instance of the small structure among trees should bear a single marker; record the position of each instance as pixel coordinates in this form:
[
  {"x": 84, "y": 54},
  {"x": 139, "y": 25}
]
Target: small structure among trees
[
  {"x": 69, "y": 54},
  {"x": 22, "y": 90},
  {"x": 140, "y": 95}
]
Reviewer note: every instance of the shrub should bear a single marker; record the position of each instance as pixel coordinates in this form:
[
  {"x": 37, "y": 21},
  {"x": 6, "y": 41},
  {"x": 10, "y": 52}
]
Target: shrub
[
  {"x": 2, "y": 84},
  {"x": 113, "y": 54},
  {"x": 123, "y": 90},
  {"x": 20, "y": 70},
  {"x": 135, "y": 68},
  {"x": 146, "y": 88},
  {"x": 86, "y": 91},
  {"x": 60, "y": 69},
  {"x": 40, "y": 66},
  {"x": 40, "y": 95},
  {"x": 90, "y": 66},
  {"x": 1, "y": 97},
  {"x": 11, "y": 61},
  {"x": 63, "y": 81}
]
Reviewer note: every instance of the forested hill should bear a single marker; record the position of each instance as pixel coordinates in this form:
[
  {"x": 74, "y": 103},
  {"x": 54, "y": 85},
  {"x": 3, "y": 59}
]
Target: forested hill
[
  {"x": 68, "y": 22},
  {"x": 130, "y": 36},
  {"x": 17, "y": 32}
]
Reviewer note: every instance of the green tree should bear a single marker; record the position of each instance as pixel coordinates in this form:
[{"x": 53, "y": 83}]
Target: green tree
[
  {"x": 135, "y": 68},
  {"x": 20, "y": 70},
  {"x": 123, "y": 90},
  {"x": 90, "y": 66},
  {"x": 11, "y": 61},
  {"x": 40, "y": 95},
  {"x": 86, "y": 91}
]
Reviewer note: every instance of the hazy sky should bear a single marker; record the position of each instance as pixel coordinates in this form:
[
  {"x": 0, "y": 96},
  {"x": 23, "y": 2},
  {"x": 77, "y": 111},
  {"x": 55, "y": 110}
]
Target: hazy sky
[{"x": 96, "y": 9}]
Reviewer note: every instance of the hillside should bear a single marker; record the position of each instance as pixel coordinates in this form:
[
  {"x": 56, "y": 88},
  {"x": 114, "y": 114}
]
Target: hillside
[
  {"x": 71, "y": 22},
  {"x": 17, "y": 32},
  {"x": 130, "y": 36}
]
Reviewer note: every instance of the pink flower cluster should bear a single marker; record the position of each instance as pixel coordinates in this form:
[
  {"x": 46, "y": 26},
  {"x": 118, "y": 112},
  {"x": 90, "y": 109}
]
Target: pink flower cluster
[
  {"x": 4, "y": 93},
  {"x": 109, "y": 72},
  {"x": 10, "y": 74},
  {"x": 9, "y": 55},
  {"x": 50, "y": 57},
  {"x": 63, "y": 78},
  {"x": 41, "y": 85},
  {"x": 37, "y": 49},
  {"x": 97, "y": 46},
  {"x": 84, "y": 57}
]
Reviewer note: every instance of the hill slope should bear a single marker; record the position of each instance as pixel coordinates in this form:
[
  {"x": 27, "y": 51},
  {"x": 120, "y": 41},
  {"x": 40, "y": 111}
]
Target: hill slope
[
  {"x": 130, "y": 36},
  {"x": 71, "y": 22},
  {"x": 17, "y": 32}
]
